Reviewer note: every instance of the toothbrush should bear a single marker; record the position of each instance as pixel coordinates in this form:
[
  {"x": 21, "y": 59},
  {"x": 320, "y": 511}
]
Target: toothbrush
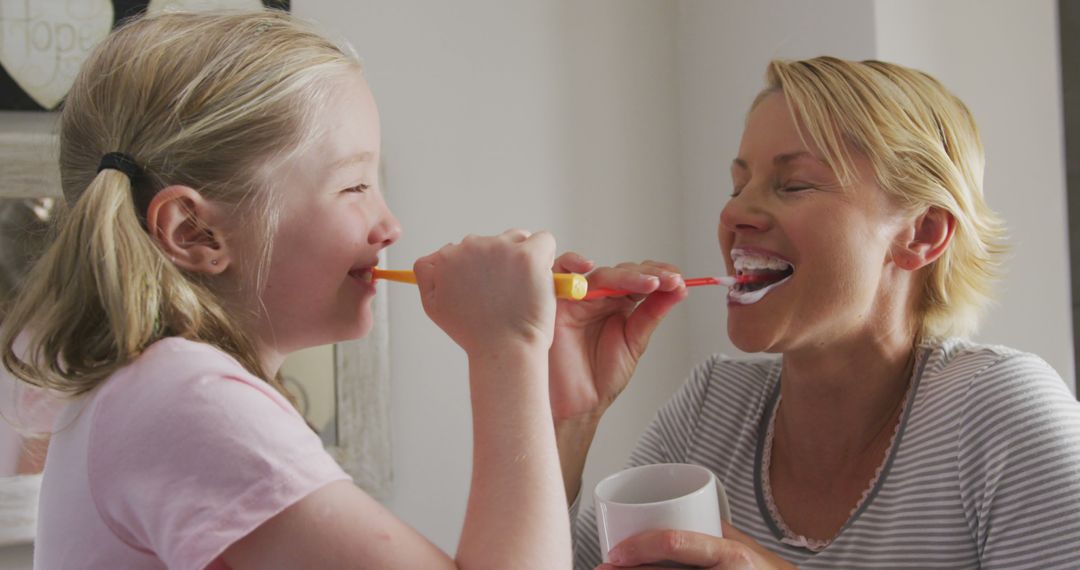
[
  {"x": 726, "y": 281},
  {"x": 567, "y": 285},
  {"x": 573, "y": 286}
]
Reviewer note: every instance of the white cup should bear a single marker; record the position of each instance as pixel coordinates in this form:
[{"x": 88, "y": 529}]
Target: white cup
[{"x": 676, "y": 496}]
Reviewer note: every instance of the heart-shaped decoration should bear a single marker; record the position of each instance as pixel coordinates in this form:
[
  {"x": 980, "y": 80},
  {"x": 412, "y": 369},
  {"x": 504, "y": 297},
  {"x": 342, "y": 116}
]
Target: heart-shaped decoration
[
  {"x": 44, "y": 42},
  {"x": 195, "y": 5}
]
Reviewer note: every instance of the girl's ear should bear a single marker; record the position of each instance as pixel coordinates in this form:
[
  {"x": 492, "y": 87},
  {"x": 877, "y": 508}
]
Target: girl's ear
[
  {"x": 187, "y": 228},
  {"x": 925, "y": 239}
]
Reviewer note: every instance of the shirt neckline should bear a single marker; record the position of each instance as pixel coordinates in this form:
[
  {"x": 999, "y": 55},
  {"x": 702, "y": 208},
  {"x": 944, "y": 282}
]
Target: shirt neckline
[{"x": 763, "y": 495}]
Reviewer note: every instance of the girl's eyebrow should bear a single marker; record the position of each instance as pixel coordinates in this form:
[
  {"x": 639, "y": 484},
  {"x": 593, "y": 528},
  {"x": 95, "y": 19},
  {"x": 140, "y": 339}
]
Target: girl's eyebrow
[{"x": 352, "y": 159}]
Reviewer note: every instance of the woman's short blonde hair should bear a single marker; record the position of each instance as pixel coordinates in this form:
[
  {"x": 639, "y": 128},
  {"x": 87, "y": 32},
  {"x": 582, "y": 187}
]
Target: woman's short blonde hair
[
  {"x": 210, "y": 100},
  {"x": 925, "y": 150}
]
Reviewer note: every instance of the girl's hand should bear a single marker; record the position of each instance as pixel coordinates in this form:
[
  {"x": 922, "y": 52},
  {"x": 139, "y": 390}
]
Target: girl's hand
[
  {"x": 598, "y": 343},
  {"x": 735, "y": 551},
  {"x": 489, "y": 293}
]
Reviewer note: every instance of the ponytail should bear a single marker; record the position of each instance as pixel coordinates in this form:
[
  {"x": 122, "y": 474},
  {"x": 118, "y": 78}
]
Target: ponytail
[
  {"x": 238, "y": 98},
  {"x": 102, "y": 293}
]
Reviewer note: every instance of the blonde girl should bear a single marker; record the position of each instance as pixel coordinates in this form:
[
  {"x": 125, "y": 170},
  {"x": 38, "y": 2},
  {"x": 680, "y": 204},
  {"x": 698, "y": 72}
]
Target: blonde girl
[{"x": 220, "y": 172}]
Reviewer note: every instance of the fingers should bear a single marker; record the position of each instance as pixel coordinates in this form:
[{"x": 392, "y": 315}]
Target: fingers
[
  {"x": 682, "y": 547},
  {"x": 572, "y": 262},
  {"x": 641, "y": 278},
  {"x": 424, "y": 269},
  {"x": 545, "y": 243},
  {"x": 515, "y": 235},
  {"x": 641, "y": 323}
]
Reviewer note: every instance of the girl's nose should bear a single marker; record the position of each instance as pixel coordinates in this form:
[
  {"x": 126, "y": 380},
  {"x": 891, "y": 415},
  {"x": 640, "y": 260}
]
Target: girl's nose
[{"x": 387, "y": 230}]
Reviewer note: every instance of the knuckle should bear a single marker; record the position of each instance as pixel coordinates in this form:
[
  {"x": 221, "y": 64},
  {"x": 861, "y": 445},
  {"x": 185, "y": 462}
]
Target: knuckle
[{"x": 671, "y": 541}]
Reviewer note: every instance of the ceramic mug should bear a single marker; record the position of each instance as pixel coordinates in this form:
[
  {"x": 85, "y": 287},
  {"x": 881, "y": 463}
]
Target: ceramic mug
[{"x": 676, "y": 496}]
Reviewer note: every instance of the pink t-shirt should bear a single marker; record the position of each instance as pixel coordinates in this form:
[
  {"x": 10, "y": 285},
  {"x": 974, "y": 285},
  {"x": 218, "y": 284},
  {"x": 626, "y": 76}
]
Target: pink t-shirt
[{"x": 171, "y": 460}]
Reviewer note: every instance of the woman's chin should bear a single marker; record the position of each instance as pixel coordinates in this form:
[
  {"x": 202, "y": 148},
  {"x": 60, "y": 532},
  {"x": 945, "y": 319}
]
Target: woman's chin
[{"x": 748, "y": 340}]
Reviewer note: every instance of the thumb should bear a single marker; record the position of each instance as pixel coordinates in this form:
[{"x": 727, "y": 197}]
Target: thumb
[{"x": 647, "y": 316}]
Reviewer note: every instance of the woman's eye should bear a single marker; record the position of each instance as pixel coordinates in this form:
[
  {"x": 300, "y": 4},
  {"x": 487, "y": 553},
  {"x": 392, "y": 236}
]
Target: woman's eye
[
  {"x": 359, "y": 188},
  {"x": 795, "y": 188}
]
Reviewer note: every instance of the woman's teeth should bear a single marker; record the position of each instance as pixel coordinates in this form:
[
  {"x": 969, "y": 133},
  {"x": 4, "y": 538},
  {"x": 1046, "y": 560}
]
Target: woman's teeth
[{"x": 769, "y": 272}]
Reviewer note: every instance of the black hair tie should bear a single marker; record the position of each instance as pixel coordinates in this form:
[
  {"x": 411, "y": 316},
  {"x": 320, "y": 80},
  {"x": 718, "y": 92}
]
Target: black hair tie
[
  {"x": 140, "y": 191},
  {"x": 123, "y": 163}
]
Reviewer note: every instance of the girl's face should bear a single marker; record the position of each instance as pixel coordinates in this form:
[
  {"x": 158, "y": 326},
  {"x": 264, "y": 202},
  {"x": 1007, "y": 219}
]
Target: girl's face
[
  {"x": 821, "y": 249},
  {"x": 334, "y": 222}
]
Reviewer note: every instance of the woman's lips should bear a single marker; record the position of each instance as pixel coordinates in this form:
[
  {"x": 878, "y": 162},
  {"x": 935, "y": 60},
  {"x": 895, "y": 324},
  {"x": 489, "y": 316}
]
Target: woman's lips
[{"x": 757, "y": 262}]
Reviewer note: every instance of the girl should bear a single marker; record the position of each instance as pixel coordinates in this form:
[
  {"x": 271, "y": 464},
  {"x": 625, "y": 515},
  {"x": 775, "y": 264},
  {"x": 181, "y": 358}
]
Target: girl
[{"x": 221, "y": 173}]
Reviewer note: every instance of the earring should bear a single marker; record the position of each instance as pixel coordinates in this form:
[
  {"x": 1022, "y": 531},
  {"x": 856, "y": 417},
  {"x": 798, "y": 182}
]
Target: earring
[{"x": 213, "y": 262}]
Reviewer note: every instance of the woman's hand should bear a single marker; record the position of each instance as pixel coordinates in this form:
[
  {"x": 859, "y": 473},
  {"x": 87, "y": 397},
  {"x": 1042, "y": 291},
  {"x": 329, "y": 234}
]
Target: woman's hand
[
  {"x": 598, "y": 343},
  {"x": 735, "y": 551},
  {"x": 597, "y": 346},
  {"x": 489, "y": 293}
]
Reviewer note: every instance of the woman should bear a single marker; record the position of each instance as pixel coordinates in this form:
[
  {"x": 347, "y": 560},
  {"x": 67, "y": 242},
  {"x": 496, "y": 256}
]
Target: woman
[{"x": 879, "y": 437}]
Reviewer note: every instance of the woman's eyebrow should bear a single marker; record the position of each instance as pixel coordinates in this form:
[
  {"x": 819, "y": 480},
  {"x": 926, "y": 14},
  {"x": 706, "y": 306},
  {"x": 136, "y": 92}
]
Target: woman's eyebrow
[
  {"x": 787, "y": 158},
  {"x": 781, "y": 159}
]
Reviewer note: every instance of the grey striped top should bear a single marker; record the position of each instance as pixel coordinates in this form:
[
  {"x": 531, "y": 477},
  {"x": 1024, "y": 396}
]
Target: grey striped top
[{"x": 984, "y": 471}]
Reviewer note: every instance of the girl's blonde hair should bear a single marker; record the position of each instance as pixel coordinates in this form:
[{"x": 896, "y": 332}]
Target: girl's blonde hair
[
  {"x": 208, "y": 100},
  {"x": 925, "y": 151}
]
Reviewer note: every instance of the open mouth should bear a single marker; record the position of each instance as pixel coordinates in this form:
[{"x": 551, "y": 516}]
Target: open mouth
[
  {"x": 760, "y": 274},
  {"x": 361, "y": 274}
]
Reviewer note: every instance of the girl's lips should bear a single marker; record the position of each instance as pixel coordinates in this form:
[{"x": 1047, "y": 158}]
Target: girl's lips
[{"x": 362, "y": 274}]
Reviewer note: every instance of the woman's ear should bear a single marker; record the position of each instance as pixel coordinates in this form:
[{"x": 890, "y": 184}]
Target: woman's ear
[
  {"x": 925, "y": 239},
  {"x": 187, "y": 228}
]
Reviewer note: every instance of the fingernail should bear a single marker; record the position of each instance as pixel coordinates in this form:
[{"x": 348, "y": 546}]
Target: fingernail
[{"x": 615, "y": 557}]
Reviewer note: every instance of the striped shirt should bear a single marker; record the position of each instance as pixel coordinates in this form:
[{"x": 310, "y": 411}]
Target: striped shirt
[{"x": 984, "y": 471}]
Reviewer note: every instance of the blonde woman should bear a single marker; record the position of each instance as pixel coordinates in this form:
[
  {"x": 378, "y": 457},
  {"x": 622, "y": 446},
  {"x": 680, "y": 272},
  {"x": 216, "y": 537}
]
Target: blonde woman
[
  {"x": 224, "y": 211},
  {"x": 878, "y": 437}
]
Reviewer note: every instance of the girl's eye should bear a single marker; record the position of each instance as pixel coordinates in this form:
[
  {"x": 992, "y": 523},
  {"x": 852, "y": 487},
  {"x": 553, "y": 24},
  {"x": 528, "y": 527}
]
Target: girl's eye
[{"x": 361, "y": 188}]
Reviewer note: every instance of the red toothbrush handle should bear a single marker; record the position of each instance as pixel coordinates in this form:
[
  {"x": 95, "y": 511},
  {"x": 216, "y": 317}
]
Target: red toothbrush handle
[{"x": 599, "y": 293}]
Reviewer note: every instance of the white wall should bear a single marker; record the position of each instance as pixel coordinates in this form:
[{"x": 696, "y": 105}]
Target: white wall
[
  {"x": 612, "y": 123},
  {"x": 1001, "y": 58},
  {"x": 540, "y": 114},
  {"x": 723, "y": 50}
]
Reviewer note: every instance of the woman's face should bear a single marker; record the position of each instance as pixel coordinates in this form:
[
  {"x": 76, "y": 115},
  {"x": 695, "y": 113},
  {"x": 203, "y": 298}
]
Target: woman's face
[
  {"x": 821, "y": 250},
  {"x": 333, "y": 224}
]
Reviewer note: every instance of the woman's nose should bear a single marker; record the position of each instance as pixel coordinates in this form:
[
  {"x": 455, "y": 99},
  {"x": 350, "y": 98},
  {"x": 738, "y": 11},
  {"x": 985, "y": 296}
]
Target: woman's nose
[{"x": 744, "y": 212}]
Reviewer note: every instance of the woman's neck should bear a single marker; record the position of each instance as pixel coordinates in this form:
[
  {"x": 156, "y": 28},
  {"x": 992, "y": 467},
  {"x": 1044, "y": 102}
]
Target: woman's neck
[{"x": 841, "y": 401}]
